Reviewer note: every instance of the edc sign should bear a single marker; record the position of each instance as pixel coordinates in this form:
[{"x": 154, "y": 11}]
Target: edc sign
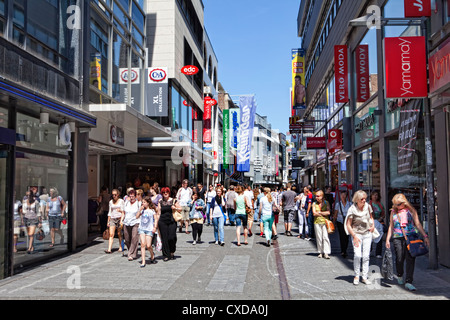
[{"x": 189, "y": 70}]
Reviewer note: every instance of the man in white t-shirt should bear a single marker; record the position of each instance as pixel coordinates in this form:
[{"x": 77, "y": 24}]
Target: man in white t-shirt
[{"x": 183, "y": 197}]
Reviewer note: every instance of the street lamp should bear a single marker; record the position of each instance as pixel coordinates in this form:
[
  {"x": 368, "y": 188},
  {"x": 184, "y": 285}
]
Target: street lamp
[{"x": 374, "y": 20}]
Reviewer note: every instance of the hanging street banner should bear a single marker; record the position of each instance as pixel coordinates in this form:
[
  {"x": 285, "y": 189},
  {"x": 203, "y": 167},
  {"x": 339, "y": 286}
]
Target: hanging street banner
[
  {"x": 133, "y": 99},
  {"x": 234, "y": 129},
  {"x": 417, "y": 8},
  {"x": 226, "y": 138},
  {"x": 248, "y": 110},
  {"x": 407, "y": 135},
  {"x": 298, "y": 79},
  {"x": 362, "y": 73},
  {"x": 341, "y": 73},
  {"x": 157, "y": 92},
  {"x": 406, "y": 67}
]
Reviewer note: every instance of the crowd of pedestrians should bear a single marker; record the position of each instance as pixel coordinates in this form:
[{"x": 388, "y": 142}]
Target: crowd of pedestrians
[{"x": 147, "y": 218}]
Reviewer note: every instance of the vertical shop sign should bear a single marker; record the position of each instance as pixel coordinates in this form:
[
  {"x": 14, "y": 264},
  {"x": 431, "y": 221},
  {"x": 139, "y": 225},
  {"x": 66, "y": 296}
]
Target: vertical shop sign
[
  {"x": 406, "y": 68},
  {"x": 341, "y": 73},
  {"x": 362, "y": 73},
  {"x": 248, "y": 109},
  {"x": 157, "y": 93},
  {"x": 407, "y": 135},
  {"x": 95, "y": 74},
  {"x": 207, "y": 114},
  {"x": 298, "y": 79},
  {"x": 417, "y": 8},
  {"x": 226, "y": 138},
  {"x": 133, "y": 99}
]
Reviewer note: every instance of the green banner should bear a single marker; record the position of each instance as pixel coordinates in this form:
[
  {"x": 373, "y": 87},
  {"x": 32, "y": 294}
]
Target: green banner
[{"x": 226, "y": 138}]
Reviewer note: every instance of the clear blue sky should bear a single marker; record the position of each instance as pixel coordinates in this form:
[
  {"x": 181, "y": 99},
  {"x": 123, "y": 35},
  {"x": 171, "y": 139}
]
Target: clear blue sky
[{"x": 252, "y": 40}]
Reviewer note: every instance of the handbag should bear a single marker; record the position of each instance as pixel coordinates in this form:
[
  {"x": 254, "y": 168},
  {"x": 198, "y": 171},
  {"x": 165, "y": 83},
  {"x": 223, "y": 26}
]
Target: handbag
[
  {"x": 106, "y": 234},
  {"x": 176, "y": 213},
  {"x": 40, "y": 235},
  {"x": 387, "y": 266},
  {"x": 330, "y": 226},
  {"x": 415, "y": 245}
]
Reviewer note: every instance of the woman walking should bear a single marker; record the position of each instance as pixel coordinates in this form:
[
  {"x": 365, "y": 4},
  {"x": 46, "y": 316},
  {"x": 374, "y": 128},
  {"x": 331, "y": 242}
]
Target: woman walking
[
  {"x": 217, "y": 216},
  {"x": 149, "y": 218},
  {"x": 359, "y": 225},
  {"x": 321, "y": 212},
  {"x": 167, "y": 225},
  {"x": 241, "y": 215},
  {"x": 32, "y": 218},
  {"x": 131, "y": 224},
  {"x": 115, "y": 219},
  {"x": 196, "y": 217},
  {"x": 266, "y": 214},
  {"x": 404, "y": 219},
  {"x": 303, "y": 231},
  {"x": 56, "y": 207},
  {"x": 340, "y": 212}
]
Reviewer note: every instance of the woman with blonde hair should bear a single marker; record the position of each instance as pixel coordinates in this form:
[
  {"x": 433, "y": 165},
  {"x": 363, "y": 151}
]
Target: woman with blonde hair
[
  {"x": 116, "y": 215},
  {"x": 321, "y": 212},
  {"x": 266, "y": 214},
  {"x": 404, "y": 218},
  {"x": 359, "y": 225}
]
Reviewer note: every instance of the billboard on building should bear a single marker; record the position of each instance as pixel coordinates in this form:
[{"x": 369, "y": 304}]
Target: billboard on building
[
  {"x": 298, "y": 79},
  {"x": 157, "y": 92},
  {"x": 341, "y": 73}
]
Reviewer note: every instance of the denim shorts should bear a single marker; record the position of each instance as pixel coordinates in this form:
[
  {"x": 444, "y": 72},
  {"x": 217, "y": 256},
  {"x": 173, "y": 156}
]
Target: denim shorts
[
  {"x": 241, "y": 219},
  {"x": 146, "y": 232}
]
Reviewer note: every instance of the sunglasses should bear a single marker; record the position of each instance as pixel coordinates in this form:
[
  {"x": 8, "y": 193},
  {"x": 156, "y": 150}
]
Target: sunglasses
[{"x": 114, "y": 194}]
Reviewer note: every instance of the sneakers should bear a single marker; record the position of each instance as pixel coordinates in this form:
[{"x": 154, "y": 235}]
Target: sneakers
[
  {"x": 410, "y": 287},
  {"x": 400, "y": 280},
  {"x": 365, "y": 281},
  {"x": 194, "y": 243},
  {"x": 356, "y": 281}
]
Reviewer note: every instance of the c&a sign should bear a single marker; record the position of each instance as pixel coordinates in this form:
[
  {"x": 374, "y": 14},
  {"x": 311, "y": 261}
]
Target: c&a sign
[{"x": 406, "y": 69}]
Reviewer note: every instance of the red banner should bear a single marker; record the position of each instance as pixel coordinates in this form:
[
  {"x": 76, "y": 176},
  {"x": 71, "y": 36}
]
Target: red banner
[
  {"x": 341, "y": 73},
  {"x": 406, "y": 68},
  {"x": 316, "y": 143},
  {"x": 207, "y": 120},
  {"x": 334, "y": 140},
  {"x": 362, "y": 73},
  {"x": 417, "y": 8},
  {"x": 440, "y": 67}
]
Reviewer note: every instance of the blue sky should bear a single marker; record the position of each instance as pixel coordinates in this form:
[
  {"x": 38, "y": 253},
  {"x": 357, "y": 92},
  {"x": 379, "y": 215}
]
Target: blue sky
[{"x": 252, "y": 40}]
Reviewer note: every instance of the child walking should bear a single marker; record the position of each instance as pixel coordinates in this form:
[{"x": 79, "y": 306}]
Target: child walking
[{"x": 147, "y": 228}]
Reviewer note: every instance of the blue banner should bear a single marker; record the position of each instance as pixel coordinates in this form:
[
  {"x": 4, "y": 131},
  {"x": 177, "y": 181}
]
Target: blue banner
[{"x": 248, "y": 109}]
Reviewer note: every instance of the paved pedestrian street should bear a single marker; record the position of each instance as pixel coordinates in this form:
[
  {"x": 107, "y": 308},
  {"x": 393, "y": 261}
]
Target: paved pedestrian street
[{"x": 288, "y": 270}]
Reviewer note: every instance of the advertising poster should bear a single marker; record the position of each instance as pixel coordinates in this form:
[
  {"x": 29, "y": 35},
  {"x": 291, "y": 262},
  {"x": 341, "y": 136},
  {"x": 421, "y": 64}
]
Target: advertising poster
[
  {"x": 248, "y": 109},
  {"x": 407, "y": 136},
  {"x": 298, "y": 79}
]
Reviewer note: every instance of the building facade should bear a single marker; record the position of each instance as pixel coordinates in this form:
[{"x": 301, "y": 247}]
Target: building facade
[
  {"x": 371, "y": 127},
  {"x": 44, "y": 124}
]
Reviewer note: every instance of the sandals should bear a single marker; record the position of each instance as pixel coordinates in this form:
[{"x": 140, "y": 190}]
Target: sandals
[{"x": 108, "y": 252}]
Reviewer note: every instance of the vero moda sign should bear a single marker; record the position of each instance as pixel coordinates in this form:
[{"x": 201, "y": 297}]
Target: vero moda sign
[
  {"x": 341, "y": 73},
  {"x": 417, "y": 8},
  {"x": 406, "y": 69}
]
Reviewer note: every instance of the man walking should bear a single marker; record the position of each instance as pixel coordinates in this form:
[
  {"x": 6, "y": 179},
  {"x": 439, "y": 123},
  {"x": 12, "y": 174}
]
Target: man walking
[
  {"x": 184, "y": 196},
  {"x": 288, "y": 204}
]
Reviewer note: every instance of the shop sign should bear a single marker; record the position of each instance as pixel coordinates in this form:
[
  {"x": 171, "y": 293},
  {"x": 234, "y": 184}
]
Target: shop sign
[
  {"x": 207, "y": 114},
  {"x": 315, "y": 143},
  {"x": 334, "y": 140},
  {"x": 116, "y": 135},
  {"x": 406, "y": 69},
  {"x": 362, "y": 73},
  {"x": 407, "y": 136},
  {"x": 365, "y": 123},
  {"x": 440, "y": 68},
  {"x": 157, "y": 93},
  {"x": 417, "y": 8},
  {"x": 341, "y": 73},
  {"x": 189, "y": 70}
]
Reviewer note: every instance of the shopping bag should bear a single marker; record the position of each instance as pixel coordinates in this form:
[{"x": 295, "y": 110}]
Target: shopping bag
[{"x": 387, "y": 267}]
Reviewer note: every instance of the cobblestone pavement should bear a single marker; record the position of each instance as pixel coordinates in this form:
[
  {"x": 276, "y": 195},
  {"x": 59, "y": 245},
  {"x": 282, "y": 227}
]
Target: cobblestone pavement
[{"x": 288, "y": 270}]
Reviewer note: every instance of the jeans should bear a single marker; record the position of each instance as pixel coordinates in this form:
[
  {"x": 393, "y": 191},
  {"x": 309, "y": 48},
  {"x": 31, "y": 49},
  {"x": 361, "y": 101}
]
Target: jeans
[
  {"x": 232, "y": 215},
  {"x": 218, "y": 228},
  {"x": 401, "y": 255},
  {"x": 302, "y": 223},
  {"x": 208, "y": 206},
  {"x": 268, "y": 222},
  {"x": 362, "y": 252}
]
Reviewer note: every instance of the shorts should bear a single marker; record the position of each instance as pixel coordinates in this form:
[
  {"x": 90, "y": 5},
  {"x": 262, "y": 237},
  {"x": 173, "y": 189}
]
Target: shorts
[
  {"x": 146, "y": 232},
  {"x": 54, "y": 222},
  {"x": 114, "y": 222},
  {"x": 31, "y": 222},
  {"x": 289, "y": 215},
  {"x": 17, "y": 225},
  {"x": 185, "y": 210},
  {"x": 241, "y": 219}
]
